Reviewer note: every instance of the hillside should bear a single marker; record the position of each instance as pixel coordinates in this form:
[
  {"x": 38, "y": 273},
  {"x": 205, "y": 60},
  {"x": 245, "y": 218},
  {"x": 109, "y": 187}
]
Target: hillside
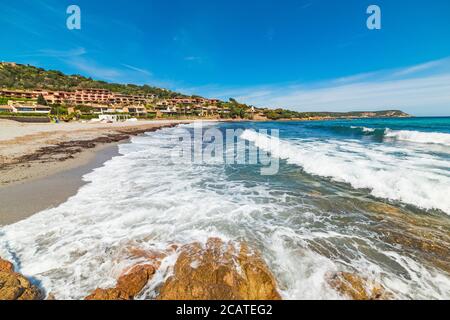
[
  {"x": 17, "y": 76},
  {"x": 282, "y": 114}
]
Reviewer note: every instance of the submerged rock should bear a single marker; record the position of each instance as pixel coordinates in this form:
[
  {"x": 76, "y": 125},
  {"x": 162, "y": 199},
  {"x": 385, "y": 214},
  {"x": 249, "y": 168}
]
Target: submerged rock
[
  {"x": 219, "y": 271},
  {"x": 14, "y": 286},
  {"x": 133, "y": 280},
  {"x": 358, "y": 288},
  {"x": 128, "y": 286}
]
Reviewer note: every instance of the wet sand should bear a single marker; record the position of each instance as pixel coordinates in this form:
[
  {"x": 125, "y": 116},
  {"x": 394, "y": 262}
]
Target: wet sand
[
  {"x": 21, "y": 200},
  {"x": 42, "y": 165}
]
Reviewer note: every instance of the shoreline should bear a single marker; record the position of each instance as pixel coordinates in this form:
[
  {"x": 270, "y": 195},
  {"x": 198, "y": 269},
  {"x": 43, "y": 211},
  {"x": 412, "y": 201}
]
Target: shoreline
[
  {"x": 49, "y": 191},
  {"x": 41, "y": 166}
]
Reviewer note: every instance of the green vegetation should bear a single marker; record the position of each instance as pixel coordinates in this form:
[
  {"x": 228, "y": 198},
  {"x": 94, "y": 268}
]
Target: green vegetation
[
  {"x": 28, "y": 115},
  {"x": 282, "y": 114},
  {"x": 41, "y": 100},
  {"x": 237, "y": 110},
  {"x": 4, "y": 100},
  {"x": 29, "y": 77},
  {"x": 84, "y": 109},
  {"x": 59, "y": 110}
]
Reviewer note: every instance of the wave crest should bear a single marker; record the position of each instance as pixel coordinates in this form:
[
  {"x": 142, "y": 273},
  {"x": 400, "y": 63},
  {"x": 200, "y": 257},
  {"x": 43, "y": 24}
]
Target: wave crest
[
  {"x": 377, "y": 168},
  {"x": 419, "y": 136}
]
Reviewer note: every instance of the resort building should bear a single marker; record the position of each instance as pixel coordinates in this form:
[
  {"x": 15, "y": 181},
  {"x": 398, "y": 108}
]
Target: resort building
[
  {"x": 136, "y": 110},
  {"x": 102, "y": 101},
  {"x": 27, "y": 107},
  {"x": 79, "y": 97},
  {"x": 6, "y": 108}
]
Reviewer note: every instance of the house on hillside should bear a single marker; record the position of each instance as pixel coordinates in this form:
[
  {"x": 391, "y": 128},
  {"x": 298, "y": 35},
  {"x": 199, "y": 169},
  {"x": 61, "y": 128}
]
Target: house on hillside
[{"x": 28, "y": 107}]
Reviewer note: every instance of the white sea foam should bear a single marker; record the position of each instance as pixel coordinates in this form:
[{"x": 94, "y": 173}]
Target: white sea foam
[
  {"x": 141, "y": 199},
  {"x": 407, "y": 178},
  {"x": 364, "y": 129},
  {"x": 419, "y": 136}
]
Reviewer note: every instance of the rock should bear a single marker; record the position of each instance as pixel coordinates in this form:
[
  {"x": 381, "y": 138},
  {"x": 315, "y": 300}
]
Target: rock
[
  {"x": 219, "y": 271},
  {"x": 135, "y": 280},
  {"x": 14, "y": 286},
  {"x": 128, "y": 286},
  {"x": 6, "y": 266},
  {"x": 358, "y": 288}
]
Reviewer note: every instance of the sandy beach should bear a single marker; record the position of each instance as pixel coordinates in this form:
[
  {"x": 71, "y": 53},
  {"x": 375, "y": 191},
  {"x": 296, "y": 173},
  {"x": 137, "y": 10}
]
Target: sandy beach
[{"x": 41, "y": 165}]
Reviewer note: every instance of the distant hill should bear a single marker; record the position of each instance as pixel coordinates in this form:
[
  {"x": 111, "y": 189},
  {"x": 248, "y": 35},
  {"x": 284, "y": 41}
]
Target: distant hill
[
  {"x": 282, "y": 114},
  {"x": 18, "y": 76}
]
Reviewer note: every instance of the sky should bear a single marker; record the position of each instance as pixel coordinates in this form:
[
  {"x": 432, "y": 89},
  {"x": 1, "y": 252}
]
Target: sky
[{"x": 305, "y": 55}]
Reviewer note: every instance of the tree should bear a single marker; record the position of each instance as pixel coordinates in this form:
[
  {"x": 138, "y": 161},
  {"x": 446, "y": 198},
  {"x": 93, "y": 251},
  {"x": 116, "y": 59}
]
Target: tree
[{"x": 41, "y": 101}]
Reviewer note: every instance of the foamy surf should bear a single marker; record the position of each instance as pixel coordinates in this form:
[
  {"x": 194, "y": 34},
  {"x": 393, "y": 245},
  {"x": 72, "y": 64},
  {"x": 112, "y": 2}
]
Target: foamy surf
[
  {"x": 419, "y": 137},
  {"x": 364, "y": 129},
  {"x": 407, "y": 178},
  {"x": 142, "y": 199}
]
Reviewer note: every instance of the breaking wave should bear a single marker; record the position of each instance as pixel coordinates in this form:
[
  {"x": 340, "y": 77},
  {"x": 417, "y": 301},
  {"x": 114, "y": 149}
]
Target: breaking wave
[
  {"x": 392, "y": 173},
  {"x": 143, "y": 200},
  {"x": 419, "y": 136}
]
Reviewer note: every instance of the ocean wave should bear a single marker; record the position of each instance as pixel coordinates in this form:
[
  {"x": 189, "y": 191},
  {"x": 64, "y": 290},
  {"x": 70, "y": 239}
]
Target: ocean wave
[
  {"x": 419, "y": 136},
  {"x": 364, "y": 129},
  {"x": 143, "y": 200},
  {"x": 408, "y": 179}
]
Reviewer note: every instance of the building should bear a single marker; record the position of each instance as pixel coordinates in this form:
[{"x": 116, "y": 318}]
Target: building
[
  {"x": 6, "y": 108},
  {"x": 102, "y": 101},
  {"x": 136, "y": 110},
  {"x": 79, "y": 97},
  {"x": 28, "y": 107}
]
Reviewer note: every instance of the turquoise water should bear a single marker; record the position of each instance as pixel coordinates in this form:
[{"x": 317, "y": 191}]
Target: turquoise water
[
  {"x": 405, "y": 160},
  {"x": 369, "y": 197}
]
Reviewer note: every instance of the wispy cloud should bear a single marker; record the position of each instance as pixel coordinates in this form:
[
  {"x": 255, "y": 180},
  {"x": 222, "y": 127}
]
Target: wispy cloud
[
  {"x": 419, "y": 68},
  {"x": 122, "y": 73},
  {"x": 93, "y": 69},
  {"x": 140, "y": 70},
  {"x": 420, "y": 89},
  {"x": 50, "y": 53},
  {"x": 194, "y": 59}
]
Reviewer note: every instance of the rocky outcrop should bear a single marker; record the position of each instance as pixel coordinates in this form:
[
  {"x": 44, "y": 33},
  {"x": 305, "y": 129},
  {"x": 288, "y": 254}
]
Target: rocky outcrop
[
  {"x": 358, "y": 288},
  {"x": 219, "y": 271},
  {"x": 133, "y": 280},
  {"x": 14, "y": 286},
  {"x": 6, "y": 266},
  {"x": 128, "y": 286}
]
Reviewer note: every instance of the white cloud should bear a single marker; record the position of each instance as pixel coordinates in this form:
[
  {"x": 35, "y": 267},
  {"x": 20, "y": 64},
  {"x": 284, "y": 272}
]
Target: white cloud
[
  {"x": 94, "y": 70},
  {"x": 57, "y": 53},
  {"x": 140, "y": 70},
  {"x": 419, "y": 68},
  {"x": 427, "y": 94}
]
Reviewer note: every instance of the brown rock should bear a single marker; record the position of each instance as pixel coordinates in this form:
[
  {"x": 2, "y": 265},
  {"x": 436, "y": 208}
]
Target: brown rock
[
  {"x": 219, "y": 271},
  {"x": 14, "y": 286},
  {"x": 135, "y": 280},
  {"x": 358, "y": 288},
  {"x": 6, "y": 266},
  {"x": 128, "y": 286}
]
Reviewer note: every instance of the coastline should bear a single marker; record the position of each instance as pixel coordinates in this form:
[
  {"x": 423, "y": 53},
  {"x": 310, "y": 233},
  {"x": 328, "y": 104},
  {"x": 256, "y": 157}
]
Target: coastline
[
  {"x": 41, "y": 166},
  {"x": 51, "y": 189},
  {"x": 413, "y": 234},
  {"x": 44, "y": 163}
]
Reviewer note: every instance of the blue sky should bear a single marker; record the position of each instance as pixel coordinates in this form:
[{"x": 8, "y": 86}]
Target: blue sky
[{"x": 312, "y": 55}]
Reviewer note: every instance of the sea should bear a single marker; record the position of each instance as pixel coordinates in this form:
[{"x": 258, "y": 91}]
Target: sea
[{"x": 365, "y": 196}]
